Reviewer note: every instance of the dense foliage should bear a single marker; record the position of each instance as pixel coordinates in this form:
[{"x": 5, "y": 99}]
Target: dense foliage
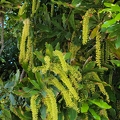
[{"x": 60, "y": 60}]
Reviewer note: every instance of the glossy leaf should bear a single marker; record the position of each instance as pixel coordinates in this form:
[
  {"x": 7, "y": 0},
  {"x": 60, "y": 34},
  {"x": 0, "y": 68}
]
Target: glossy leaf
[
  {"x": 100, "y": 103},
  {"x": 94, "y": 114},
  {"x": 117, "y": 17},
  {"x": 67, "y": 56},
  {"x": 109, "y": 4},
  {"x": 109, "y": 23},
  {"x": 84, "y": 107}
]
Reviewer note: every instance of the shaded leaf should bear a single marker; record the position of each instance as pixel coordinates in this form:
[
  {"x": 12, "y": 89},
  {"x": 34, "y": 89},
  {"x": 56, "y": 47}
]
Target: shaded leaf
[
  {"x": 6, "y": 115},
  {"x": 72, "y": 114},
  {"x": 117, "y": 42},
  {"x": 76, "y": 3},
  {"x": 116, "y": 62},
  {"x": 71, "y": 20},
  {"x": 12, "y": 99},
  {"x": 35, "y": 84}
]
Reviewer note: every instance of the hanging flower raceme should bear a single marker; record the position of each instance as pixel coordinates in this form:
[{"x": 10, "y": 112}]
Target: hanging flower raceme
[{"x": 25, "y": 34}]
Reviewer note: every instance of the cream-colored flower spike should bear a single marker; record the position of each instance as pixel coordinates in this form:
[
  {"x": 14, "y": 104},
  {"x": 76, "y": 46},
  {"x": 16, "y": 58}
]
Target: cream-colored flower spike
[
  {"x": 85, "y": 30},
  {"x": 25, "y": 33},
  {"x": 34, "y": 107}
]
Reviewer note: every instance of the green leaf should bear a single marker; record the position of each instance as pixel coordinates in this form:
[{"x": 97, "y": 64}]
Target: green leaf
[
  {"x": 39, "y": 79},
  {"x": 9, "y": 85},
  {"x": 57, "y": 24},
  {"x": 93, "y": 33},
  {"x": 76, "y": 3},
  {"x": 2, "y": 60},
  {"x": 100, "y": 103},
  {"x": 20, "y": 113},
  {"x": 64, "y": 20},
  {"x": 67, "y": 56},
  {"x": 84, "y": 107},
  {"x": 49, "y": 50},
  {"x": 40, "y": 56},
  {"x": 109, "y": 23},
  {"x": 71, "y": 20},
  {"x": 44, "y": 28},
  {"x": 117, "y": 42},
  {"x": 114, "y": 7},
  {"x": 1, "y": 82},
  {"x": 17, "y": 76},
  {"x": 116, "y": 62},
  {"x": 22, "y": 93},
  {"x": 35, "y": 84},
  {"x": 31, "y": 91},
  {"x": 89, "y": 66},
  {"x": 57, "y": 47},
  {"x": 43, "y": 112},
  {"x": 105, "y": 10},
  {"x": 6, "y": 115},
  {"x": 117, "y": 17},
  {"x": 61, "y": 115},
  {"x": 12, "y": 99},
  {"x": 94, "y": 114},
  {"x": 72, "y": 114},
  {"x": 112, "y": 112},
  {"x": 108, "y": 4},
  {"x": 96, "y": 1}
]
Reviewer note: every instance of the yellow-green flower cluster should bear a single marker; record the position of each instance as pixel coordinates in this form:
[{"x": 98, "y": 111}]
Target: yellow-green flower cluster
[
  {"x": 91, "y": 87},
  {"x": 85, "y": 30},
  {"x": 56, "y": 69},
  {"x": 34, "y": 107},
  {"x": 104, "y": 113},
  {"x": 25, "y": 34},
  {"x": 22, "y": 9},
  {"x": 43, "y": 68},
  {"x": 98, "y": 49},
  {"x": 50, "y": 102},
  {"x": 75, "y": 73},
  {"x": 61, "y": 58},
  {"x": 66, "y": 94},
  {"x": 29, "y": 50},
  {"x": 35, "y": 6},
  {"x": 34, "y": 2},
  {"x": 102, "y": 89},
  {"x": 73, "y": 50}
]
